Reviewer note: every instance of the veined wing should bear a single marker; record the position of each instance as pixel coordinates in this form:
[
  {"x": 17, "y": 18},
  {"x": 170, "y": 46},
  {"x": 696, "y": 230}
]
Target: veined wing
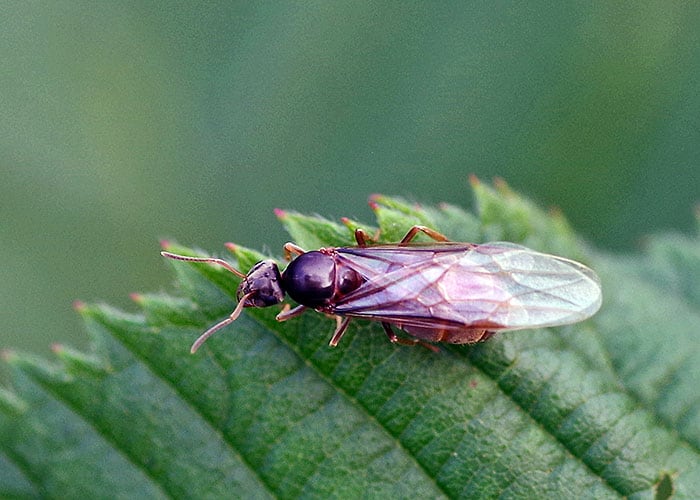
[
  {"x": 501, "y": 286},
  {"x": 383, "y": 259}
]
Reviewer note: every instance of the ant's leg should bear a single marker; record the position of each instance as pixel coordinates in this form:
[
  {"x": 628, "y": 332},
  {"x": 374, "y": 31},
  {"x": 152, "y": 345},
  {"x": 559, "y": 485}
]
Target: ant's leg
[
  {"x": 288, "y": 313},
  {"x": 487, "y": 335},
  {"x": 413, "y": 232},
  {"x": 340, "y": 329},
  {"x": 291, "y": 248},
  {"x": 361, "y": 237},
  {"x": 410, "y": 342}
]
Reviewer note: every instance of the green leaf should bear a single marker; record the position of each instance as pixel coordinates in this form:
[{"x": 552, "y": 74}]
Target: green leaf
[{"x": 608, "y": 408}]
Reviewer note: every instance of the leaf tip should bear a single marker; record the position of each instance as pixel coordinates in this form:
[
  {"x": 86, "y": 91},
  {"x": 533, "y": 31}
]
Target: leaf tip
[
  {"x": 474, "y": 180},
  {"x": 79, "y": 306},
  {"x": 279, "y": 213},
  {"x": 11, "y": 403},
  {"x": 165, "y": 244},
  {"x": 502, "y": 187},
  {"x": 374, "y": 200},
  {"x": 136, "y": 297},
  {"x": 7, "y": 355},
  {"x": 555, "y": 212},
  {"x": 664, "y": 488}
]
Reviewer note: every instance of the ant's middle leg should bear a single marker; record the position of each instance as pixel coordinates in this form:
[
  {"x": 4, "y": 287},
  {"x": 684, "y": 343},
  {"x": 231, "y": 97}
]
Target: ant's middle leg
[
  {"x": 362, "y": 237},
  {"x": 413, "y": 232}
]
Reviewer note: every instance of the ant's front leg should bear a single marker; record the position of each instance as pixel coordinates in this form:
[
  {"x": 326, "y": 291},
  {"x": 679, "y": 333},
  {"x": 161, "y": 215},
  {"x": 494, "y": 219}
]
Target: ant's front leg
[
  {"x": 288, "y": 313},
  {"x": 292, "y": 249},
  {"x": 361, "y": 237}
]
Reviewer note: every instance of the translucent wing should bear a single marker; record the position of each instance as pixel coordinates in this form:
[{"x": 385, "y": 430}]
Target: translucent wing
[{"x": 496, "y": 286}]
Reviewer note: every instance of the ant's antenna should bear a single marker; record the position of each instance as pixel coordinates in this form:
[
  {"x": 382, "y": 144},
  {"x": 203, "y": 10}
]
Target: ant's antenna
[
  {"x": 234, "y": 315},
  {"x": 208, "y": 260},
  {"x": 236, "y": 312}
]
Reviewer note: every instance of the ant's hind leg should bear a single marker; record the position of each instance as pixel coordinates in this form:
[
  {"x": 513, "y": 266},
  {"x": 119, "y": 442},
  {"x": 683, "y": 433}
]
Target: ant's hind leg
[{"x": 402, "y": 341}]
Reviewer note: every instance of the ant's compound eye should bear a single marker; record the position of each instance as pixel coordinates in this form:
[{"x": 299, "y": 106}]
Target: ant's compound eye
[
  {"x": 310, "y": 279},
  {"x": 265, "y": 284}
]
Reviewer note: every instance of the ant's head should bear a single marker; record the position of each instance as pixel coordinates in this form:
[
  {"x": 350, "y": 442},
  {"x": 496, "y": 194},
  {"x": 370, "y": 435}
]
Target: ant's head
[{"x": 262, "y": 286}]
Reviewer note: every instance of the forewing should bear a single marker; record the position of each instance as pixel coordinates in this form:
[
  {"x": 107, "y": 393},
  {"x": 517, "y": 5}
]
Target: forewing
[
  {"x": 383, "y": 259},
  {"x": 499, "y": 286}
]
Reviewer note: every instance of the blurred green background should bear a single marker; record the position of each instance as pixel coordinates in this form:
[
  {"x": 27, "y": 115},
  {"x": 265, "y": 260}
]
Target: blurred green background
[{"x": 126, "y": 122}]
